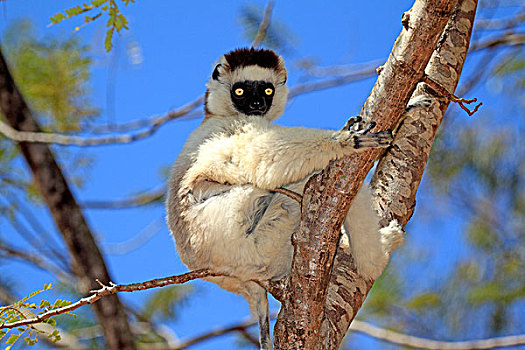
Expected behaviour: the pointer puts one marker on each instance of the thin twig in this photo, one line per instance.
(367, 68)
(294, 195)
(460, 101)
(263, 27)
(137, 241)
(62, 139)
(429, 344)
(338, 80)
(150, 121)
(507, 39)
(143, 198)
(240, 327)
(36, 260)
(113, 289)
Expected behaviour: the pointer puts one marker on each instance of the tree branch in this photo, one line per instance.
(500, 23)
(430, 344)
(154, 123)
(36, 260)
(143, 198)
(137, 241)
(327, 196)
(506, 39)
(265, 23)
(112, 288)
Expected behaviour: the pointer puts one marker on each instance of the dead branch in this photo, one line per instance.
(263, 27)
(451, 97)
(113, 289)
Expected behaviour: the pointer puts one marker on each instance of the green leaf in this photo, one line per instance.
(57, 18)
(51, 321)
(75, 10)
(425, 301)
(30, 341)
(43, 304)
(107, 41)
(12, 339)
(97, 3)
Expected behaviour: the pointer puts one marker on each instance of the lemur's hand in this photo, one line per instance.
(359, 136)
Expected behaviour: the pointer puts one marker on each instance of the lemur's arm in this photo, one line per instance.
(275, 156)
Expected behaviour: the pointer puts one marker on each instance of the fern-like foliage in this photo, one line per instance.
(24, 309)
(94, 10)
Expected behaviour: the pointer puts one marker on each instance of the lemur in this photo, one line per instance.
(222, 208)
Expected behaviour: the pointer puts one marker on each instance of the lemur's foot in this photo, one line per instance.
(392, 236)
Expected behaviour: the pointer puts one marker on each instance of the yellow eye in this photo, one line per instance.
(268, 91)
(239, 92)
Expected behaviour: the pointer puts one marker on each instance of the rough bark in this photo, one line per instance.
(328, 195)
(399, 172)
(88, 262)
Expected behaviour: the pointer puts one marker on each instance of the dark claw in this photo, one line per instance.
(352, 121)
(356, 142)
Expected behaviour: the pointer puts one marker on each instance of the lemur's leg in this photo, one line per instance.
(370, 245)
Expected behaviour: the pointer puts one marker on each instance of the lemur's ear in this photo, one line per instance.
(215, 74)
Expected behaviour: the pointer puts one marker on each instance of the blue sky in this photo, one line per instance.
(178, 43)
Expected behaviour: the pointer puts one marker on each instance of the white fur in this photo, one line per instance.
(227, 165)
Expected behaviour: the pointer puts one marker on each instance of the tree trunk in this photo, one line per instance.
(399, 172)
(317, 308)
(88, 262)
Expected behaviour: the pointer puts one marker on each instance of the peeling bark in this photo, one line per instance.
(328, 195)
(399, 172)
(88, 262)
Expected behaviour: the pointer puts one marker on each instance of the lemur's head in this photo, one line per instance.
(247, 82)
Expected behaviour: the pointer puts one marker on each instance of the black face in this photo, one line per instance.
(252, 97)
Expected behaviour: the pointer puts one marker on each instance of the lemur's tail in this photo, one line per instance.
(258, 300)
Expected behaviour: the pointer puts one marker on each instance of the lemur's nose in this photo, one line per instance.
(257, 104)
